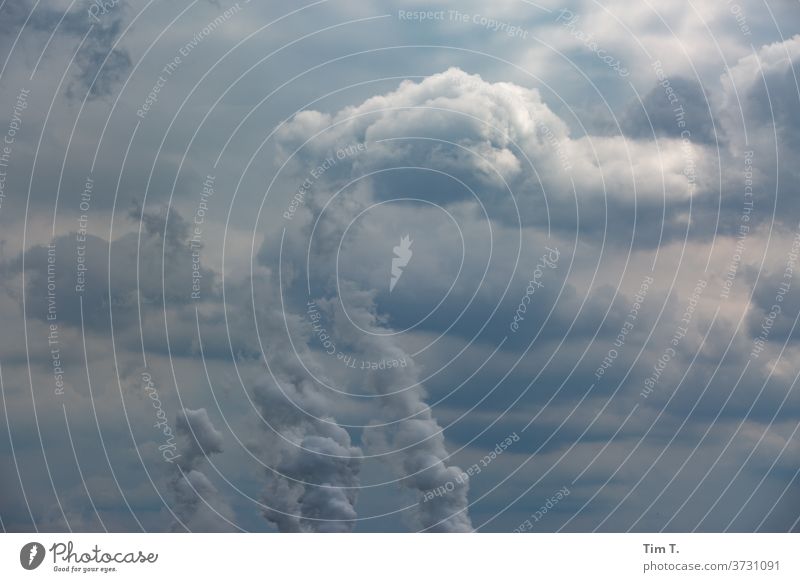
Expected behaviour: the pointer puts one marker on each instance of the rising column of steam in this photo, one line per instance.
(198, 504)
(412, 441)
(312, 472)
(414, 446)
(311, 465)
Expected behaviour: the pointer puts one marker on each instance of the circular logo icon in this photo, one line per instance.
(31, 555)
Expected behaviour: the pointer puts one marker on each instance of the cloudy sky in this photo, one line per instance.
(399, 266)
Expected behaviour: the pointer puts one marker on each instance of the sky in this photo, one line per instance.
(396, 266)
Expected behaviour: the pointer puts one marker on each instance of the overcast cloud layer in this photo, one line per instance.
(399, 266)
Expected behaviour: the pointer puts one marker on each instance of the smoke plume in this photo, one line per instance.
(198, 504)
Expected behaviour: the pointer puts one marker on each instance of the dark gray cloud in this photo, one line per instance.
(100, 64)
(668, 115)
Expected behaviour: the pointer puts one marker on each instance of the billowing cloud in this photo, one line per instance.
(198, 504)
(342, 306)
